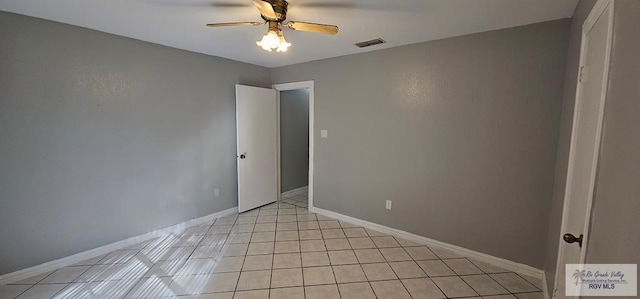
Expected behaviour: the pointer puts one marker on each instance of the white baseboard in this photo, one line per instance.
(297, 190)
(500, 262)
(82, 256)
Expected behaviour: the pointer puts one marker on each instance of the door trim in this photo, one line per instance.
(293, 86)
(598, 10)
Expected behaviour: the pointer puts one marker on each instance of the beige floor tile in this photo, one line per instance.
(453, 286)
(407, 269)
(369, 256)
(266, 219)
(253, 294)
(356, 232)
(287, 260)
(287, 247)
(234, 250)
(287, 218)
(322, 292)
(202, 252)
(260, 248)
(349, 273)
(484, 285)
(385, 242)
(359, 290)
(204, 283)
(435, 268)
(311, 259)
(286, 278)
(237, 238)
(395, 254)
(307, 217)
(265, 227)
(42, 291)
(420, 253)
(514, 283)
(342, 257)
(488, 268)
(333, 233)
(287, 293)
(534, 295)
(361, 243)
(318, 275)
(306, 225)
(228, 264)
(337, 244)
(422, 288)
(407, 243)
(374, 233)
(152, 287)
(257, 262)
(313, 234)
(312, 245)
(287, 226)
(263, 237)
(325, 224)
(254, 280)
(378, 271)
(287, 236)
(65, 275)
(224, 295)
(392, 289)
(462, 266)
(444, 253)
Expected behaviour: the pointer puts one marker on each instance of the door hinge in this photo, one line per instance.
(581, 74)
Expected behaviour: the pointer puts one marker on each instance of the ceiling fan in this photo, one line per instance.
(274, 13)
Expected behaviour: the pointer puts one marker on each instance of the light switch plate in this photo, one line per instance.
(324, 133)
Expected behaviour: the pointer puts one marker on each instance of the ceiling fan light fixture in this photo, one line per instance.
(269, 41)
(284, 45)
(274, 39)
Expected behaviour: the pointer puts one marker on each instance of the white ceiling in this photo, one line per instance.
(181, 23)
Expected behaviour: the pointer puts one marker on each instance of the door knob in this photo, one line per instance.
(242, 156)
(569, 238)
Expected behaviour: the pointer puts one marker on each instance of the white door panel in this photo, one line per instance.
(256, 128)
(585, 139)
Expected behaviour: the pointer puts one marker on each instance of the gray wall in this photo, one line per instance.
(105, 137)
(294, 139)
(566, 123)
(460, 133)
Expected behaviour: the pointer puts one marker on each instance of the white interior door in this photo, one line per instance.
(256, 127)
(585, 139)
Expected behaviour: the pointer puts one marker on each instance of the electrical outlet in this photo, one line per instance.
(216, 192)
(324, 133)
(388, 206)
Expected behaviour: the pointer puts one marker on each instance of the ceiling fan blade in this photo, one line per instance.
(266, 9)
(200, 4)
(236, 24)
(313, 27)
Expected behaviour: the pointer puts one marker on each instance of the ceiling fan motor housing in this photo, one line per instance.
(280, 8)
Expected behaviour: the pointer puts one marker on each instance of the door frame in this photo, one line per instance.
(295, 86)
(601, 7)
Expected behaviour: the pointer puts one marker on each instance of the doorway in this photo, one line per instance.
(295, 143)
(586, 136)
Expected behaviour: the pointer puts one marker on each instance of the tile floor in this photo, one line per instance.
(278, 251)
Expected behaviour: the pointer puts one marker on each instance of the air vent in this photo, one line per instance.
(370, 43)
